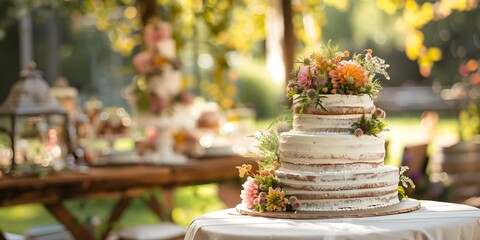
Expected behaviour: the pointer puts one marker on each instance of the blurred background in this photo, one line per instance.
(239, 53)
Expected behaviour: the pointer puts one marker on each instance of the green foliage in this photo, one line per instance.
(267, 148)
(285, 117)
(404, 182)
(255, 89)
(469, 120)
(372, 126)
(302, 101)
(261, 207)
(329, 50)
(266, 182)
(268, 141)
(401, 193)
(222, 27)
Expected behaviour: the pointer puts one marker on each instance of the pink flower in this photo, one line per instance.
(186, 98)
(143, 62)
(294, 202)
(249, 192)
(358, 132)
(262, 198)
(475, 78)
(291, 85)
(158, 104)
(305, 78)
(379, 113)
(463, 70)
(155, 32)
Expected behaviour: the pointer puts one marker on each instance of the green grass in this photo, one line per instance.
(196, 200)
(408, 131)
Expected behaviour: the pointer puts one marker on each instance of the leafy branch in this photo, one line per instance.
(404, 181)
(268, 144)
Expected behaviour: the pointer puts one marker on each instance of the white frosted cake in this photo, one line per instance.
(328, 168)
(332, 156)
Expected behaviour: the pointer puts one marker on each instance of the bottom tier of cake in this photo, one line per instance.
(341, 191)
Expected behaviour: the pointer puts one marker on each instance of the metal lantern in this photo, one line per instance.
(30, 98)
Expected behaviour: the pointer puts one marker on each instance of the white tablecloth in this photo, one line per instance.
(434, 220)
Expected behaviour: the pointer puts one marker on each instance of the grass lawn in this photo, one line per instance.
(195, 200)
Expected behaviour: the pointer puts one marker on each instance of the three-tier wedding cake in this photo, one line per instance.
(332, 156)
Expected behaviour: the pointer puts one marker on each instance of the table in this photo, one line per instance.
(434, 220)
(124, 182)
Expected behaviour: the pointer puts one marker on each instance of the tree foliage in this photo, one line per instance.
(217, 28)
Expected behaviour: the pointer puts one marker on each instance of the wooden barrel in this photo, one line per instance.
(462, 164)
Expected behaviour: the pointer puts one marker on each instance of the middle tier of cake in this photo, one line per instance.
(317, 152)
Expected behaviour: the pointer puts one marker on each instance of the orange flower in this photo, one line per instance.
(349, 72)
(323, 64)
(244, 169)
(160, 60)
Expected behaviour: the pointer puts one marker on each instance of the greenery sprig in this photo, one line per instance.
(405, 181)
(370, 126)
(267, 146)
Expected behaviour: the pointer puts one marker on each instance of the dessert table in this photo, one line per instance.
(434, 220)
(123, 182)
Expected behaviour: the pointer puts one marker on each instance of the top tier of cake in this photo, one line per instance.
(338, 114)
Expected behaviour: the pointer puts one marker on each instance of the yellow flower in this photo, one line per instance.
(276, 201)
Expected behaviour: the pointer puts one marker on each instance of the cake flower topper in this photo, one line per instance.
(329, 71)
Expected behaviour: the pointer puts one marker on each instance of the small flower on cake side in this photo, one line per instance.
(276, 200)
(370, 126)
(262, 191)
(249, 192)
(330, 71)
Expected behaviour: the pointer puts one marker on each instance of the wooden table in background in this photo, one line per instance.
(120, 181)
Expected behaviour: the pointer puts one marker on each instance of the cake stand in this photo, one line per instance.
(404, 206)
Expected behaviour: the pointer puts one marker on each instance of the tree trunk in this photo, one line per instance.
(147, 9)
(288, 38)
(26, 40)
(52, 59)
